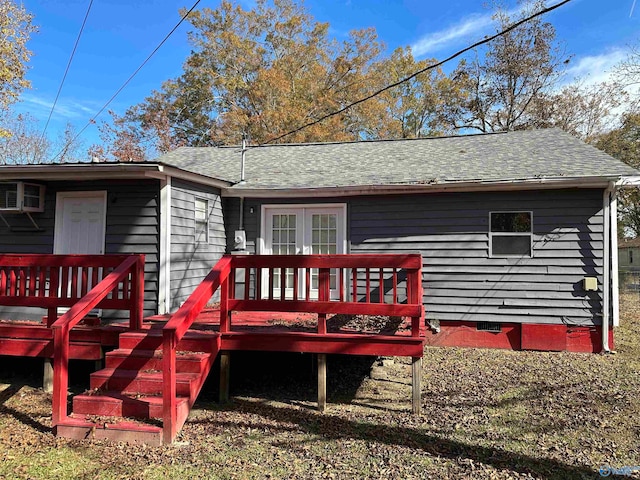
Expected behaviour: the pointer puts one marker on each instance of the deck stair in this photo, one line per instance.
(125, 401)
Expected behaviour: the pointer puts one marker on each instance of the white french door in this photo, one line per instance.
(302, 230)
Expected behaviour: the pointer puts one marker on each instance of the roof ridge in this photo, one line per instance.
(374, 140)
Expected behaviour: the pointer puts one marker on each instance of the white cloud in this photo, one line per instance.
(65, 109)
(452, 35)
(472, 27)
(595, 68)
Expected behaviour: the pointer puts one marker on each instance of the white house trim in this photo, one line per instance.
(164, 265)
(615, 299)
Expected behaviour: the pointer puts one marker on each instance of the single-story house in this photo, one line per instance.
(629, 254)
(517, 230)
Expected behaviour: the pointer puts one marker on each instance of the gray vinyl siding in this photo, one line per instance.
(461, 281)
(193, 258)
(132, 227)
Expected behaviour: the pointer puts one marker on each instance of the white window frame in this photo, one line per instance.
(511, 234)
(303, 234)
(197, 222)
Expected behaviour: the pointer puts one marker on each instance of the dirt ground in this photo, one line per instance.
(486, 414)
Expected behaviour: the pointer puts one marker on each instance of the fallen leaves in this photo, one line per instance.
(487, 414)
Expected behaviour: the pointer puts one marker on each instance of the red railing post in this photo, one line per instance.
(60, 373)
(225, 318)
(136, 312)
(414, 289)
(169, 400)
(323, 296)
(423, 327)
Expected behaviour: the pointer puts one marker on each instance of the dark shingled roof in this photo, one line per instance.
(633, 243)
(498, 157)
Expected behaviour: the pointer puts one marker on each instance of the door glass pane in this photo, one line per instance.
(323, 241)
(283, 236)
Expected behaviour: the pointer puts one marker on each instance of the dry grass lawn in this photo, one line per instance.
(487, 414)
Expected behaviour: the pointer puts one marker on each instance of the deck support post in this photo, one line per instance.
(225, 371)
(322, 381)
(416, 385)
(47, 377)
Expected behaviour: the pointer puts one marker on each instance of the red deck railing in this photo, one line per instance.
(81, 282)
(52, 281)
(173, 332)
(122, 288)
(384, 284)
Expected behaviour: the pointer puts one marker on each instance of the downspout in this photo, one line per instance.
(615, 293)
(242, 163)
(239, 237)
(606, 287)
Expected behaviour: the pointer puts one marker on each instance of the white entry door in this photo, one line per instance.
(80, 222)
(296, 230)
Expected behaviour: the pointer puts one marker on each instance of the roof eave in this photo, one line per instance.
(391, 189)
(89, 171)
(104, 171)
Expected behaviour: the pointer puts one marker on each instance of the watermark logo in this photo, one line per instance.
(627, 471)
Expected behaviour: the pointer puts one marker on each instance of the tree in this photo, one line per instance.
(514, 70)
(15, 30)
(419, 107)
(24, 144)
(623, 143)
(121, 141)
(585, 111)
(627, 74)
(263, 72)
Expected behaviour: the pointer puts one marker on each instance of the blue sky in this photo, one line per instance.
(120, 34)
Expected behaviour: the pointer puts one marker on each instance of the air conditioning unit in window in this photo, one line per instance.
(21, 197)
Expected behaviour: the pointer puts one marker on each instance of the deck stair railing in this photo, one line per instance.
(81, 282)
(383, 284)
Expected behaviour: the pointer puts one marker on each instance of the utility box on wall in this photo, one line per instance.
(590, 284)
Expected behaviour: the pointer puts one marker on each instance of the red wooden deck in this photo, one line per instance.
(363, 305)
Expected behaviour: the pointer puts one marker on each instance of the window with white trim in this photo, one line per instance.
(303, 229)
(201, 216)
(510, 234)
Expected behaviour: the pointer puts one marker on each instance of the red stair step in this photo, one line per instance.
(152, 359)
(134, 381)
(152, 340)
(115, 404)
(125, 431)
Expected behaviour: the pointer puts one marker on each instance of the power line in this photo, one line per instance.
(413, 75)
(64, 77)
(92, 120)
